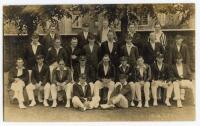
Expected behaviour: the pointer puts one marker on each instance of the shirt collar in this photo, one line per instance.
(127, 65)
(81, 84)
(58, 68)
(143, 66)
(18, 68)
(38, 43)
(129, 45)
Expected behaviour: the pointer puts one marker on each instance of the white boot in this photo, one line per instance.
(179, 104)
(155, 103)
(33, 103)
(167, 102)
(54, 104)
(132, 103)
(139, 104)
(22, 106)
(67, 104)
(146, 104)
(45, 103)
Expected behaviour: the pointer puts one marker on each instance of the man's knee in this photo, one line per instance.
(75, 99)
(47, 86)
(147, 85)
(53, 87)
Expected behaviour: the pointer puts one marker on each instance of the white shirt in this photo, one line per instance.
(128, 47)
(141, 71)
(110, 46)
(52, 35)
(180, 69)
(85, 34)
(19, 72)
(39, 67)
(91, 47)
(82, 68)
(158, 36)
(159, 66)
(104, 35)
(178, 47)
(57, 50)
(34, 47)
(153, 45)
(105, 68)
(83, 87)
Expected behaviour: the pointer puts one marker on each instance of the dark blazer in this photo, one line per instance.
(82, 40)
(110, 74)
(52, 56)
(186, 73)
(48, 42)
(120, 70)
(114, 55)
(149, 54)
(134, 54)
(78, 91)
(183, 51)
(146, 74)
(42, 76)
(30, 57)
(163, 74)
(124, 90)
(77, 52)
(93, 57)
(13, 74)
(89, 72)
(66, 77)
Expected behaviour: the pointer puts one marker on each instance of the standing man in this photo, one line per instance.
(32, 50)
(102, 35)
(39, 81)
(73, 52)
(92, 51)
(83, 35)
(179, 48)
(18, 78)
(182, 79)
(142, 79)
(61, 81)
(49, 39)
(150, 49)
(130, 51)
(106, 77)
(112, 48)
(161, 78)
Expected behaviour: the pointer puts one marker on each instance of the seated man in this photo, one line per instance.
(121, 96)
(161, 78)
(106, 76)
(181, 79)
(142, 78)
(61, 81)
(18, 78)
(40, 81)
(81, 94)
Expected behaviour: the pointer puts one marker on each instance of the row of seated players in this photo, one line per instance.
(85, 94)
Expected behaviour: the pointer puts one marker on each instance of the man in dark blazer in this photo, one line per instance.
(137, 40)
(32, 50)
(83, 35)
(122, 95)
(112, 48)
(182, 78)
(82, 94)
(18, 79)
(48, 40)
(54, 54)
(179, 48)
(130, 51)
(105, 78)
(92, 51)
(39, 81)
(142, 75)
(150, 49)
(61, 81)
(161, 78)
(73, 52)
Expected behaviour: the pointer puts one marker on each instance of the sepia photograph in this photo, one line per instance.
(99, 62)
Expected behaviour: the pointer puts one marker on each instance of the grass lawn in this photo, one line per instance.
(42, 114)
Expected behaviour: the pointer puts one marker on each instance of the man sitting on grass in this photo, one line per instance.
(121, 96)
